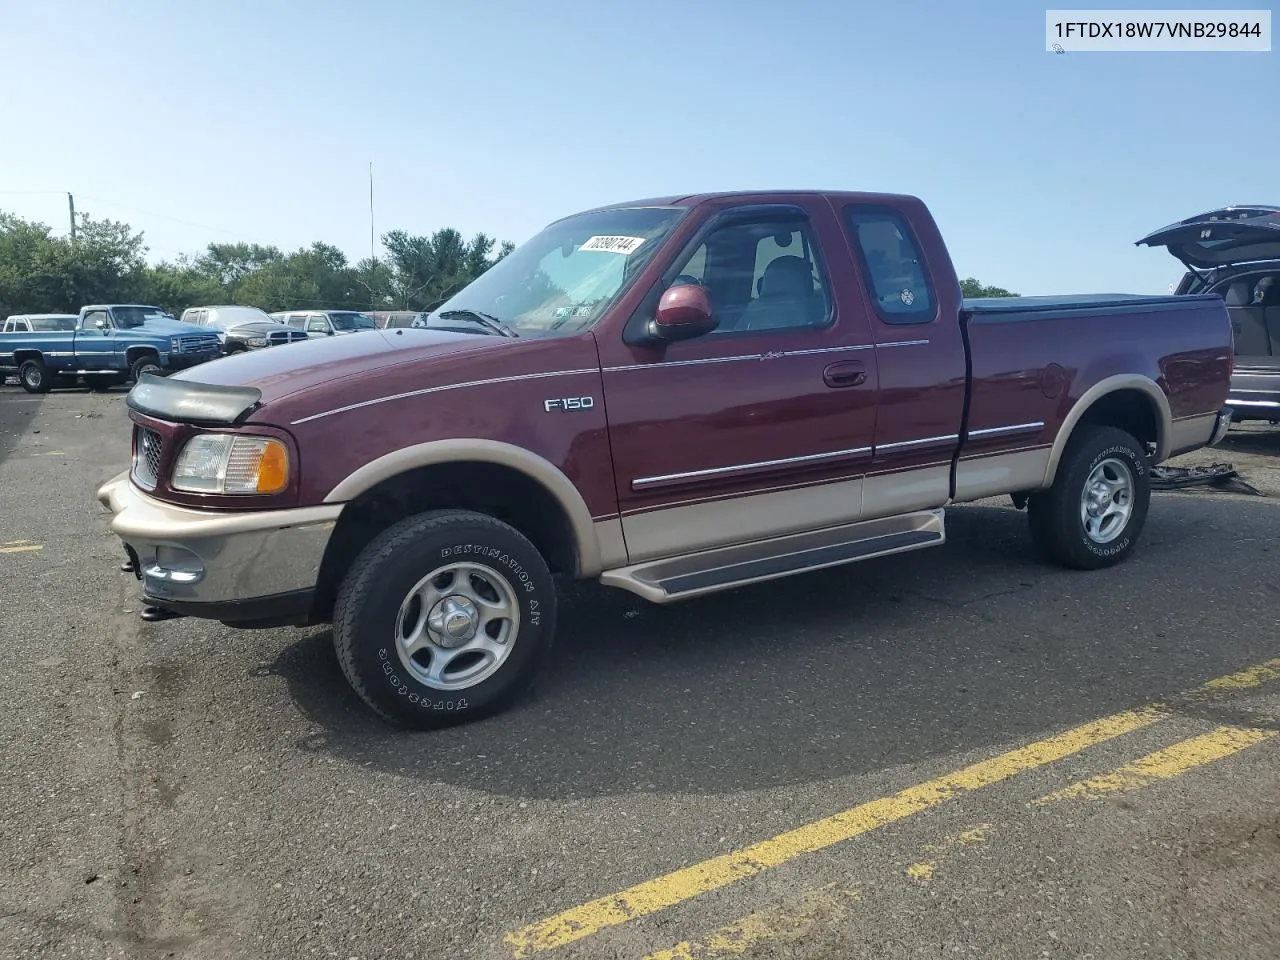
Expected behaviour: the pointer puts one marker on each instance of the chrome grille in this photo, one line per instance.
(149, 446)
(198, 343)
(278, 337)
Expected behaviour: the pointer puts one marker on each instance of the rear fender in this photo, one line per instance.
(1124, 381)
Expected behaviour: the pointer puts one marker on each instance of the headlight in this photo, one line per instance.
(226, 463)
(257, 341)
(175, 345)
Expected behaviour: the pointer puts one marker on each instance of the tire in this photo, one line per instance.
(35, 376)
(147, 363)
(1058, 515)
(376, 608)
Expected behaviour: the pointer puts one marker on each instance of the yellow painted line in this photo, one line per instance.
(923, 871)
(1164, 764)
(1253, 677)
(30, 549)
(824, 905)
(686, 883)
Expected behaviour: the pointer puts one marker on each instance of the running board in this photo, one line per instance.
(677, 578)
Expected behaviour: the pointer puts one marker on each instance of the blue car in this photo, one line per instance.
(108, 344)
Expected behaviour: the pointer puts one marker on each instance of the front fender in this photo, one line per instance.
(537, 468)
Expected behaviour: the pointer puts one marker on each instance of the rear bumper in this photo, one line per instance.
(1255, 394)
(256, 567)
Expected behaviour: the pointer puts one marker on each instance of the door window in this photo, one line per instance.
(761, 275)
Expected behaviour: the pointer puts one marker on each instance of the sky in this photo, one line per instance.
(258, 120)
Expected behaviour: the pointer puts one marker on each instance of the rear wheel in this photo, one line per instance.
(34, 376)
(1092, 515)
(443, 618)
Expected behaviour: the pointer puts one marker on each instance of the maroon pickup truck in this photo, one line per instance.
(671, 396)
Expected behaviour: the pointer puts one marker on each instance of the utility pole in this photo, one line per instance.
(373, 255)
(71, 205)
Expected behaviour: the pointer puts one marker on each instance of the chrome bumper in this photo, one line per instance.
(1225, 416)
(219, 565)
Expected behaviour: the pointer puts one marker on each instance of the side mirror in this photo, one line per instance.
(100, 324)
(684, 311)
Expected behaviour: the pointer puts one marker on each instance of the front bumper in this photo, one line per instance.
(1255, 394)
(256, 567)
(184, 361)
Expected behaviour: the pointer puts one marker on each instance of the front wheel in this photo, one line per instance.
(1091, 517)
(445, 617)
(144, 364)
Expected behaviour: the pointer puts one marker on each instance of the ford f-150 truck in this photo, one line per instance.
(673, 397)
(109, 344)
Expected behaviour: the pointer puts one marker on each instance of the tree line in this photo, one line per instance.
(106, 263)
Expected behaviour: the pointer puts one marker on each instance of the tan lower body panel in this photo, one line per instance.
(890, 494)
(715, 523)
(999, 473)
(1191, 433)
(708, 571)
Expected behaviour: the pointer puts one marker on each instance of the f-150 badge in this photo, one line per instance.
(569, 403)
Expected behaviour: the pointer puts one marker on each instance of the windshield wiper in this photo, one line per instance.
(484, 319)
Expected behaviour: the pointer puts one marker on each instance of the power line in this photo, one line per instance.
(161, 216)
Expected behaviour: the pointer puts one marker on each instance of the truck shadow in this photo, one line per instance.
(18, 411)
(1252, 438)
(973, 645)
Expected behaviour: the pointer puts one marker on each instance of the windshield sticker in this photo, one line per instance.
(622, 245)
(906, 296)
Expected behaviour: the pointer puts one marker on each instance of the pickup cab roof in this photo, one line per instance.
(1243, 233)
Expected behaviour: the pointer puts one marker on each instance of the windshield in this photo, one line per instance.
(564, 278)
(53, 323)
(352, 321)
(130, 317)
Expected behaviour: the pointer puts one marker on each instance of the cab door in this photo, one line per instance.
(764, 426)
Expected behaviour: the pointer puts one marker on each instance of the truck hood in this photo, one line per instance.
(249, 327)
(311, 363)
(166, 328)
(1223, 237)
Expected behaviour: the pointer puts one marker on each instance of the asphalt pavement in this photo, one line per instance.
(958, 752)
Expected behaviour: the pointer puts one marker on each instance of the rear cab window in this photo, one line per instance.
(889, 256)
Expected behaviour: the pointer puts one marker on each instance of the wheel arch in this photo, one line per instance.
(1129, 401)
(135, 353)
(22, 356)
(540, 501)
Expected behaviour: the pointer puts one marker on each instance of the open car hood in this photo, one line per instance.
(1223, 237)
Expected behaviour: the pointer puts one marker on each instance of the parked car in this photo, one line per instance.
(326, 323)
(242, 328)
(108, 344)
(1235, 252)
(395, 319)
(672, 397)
